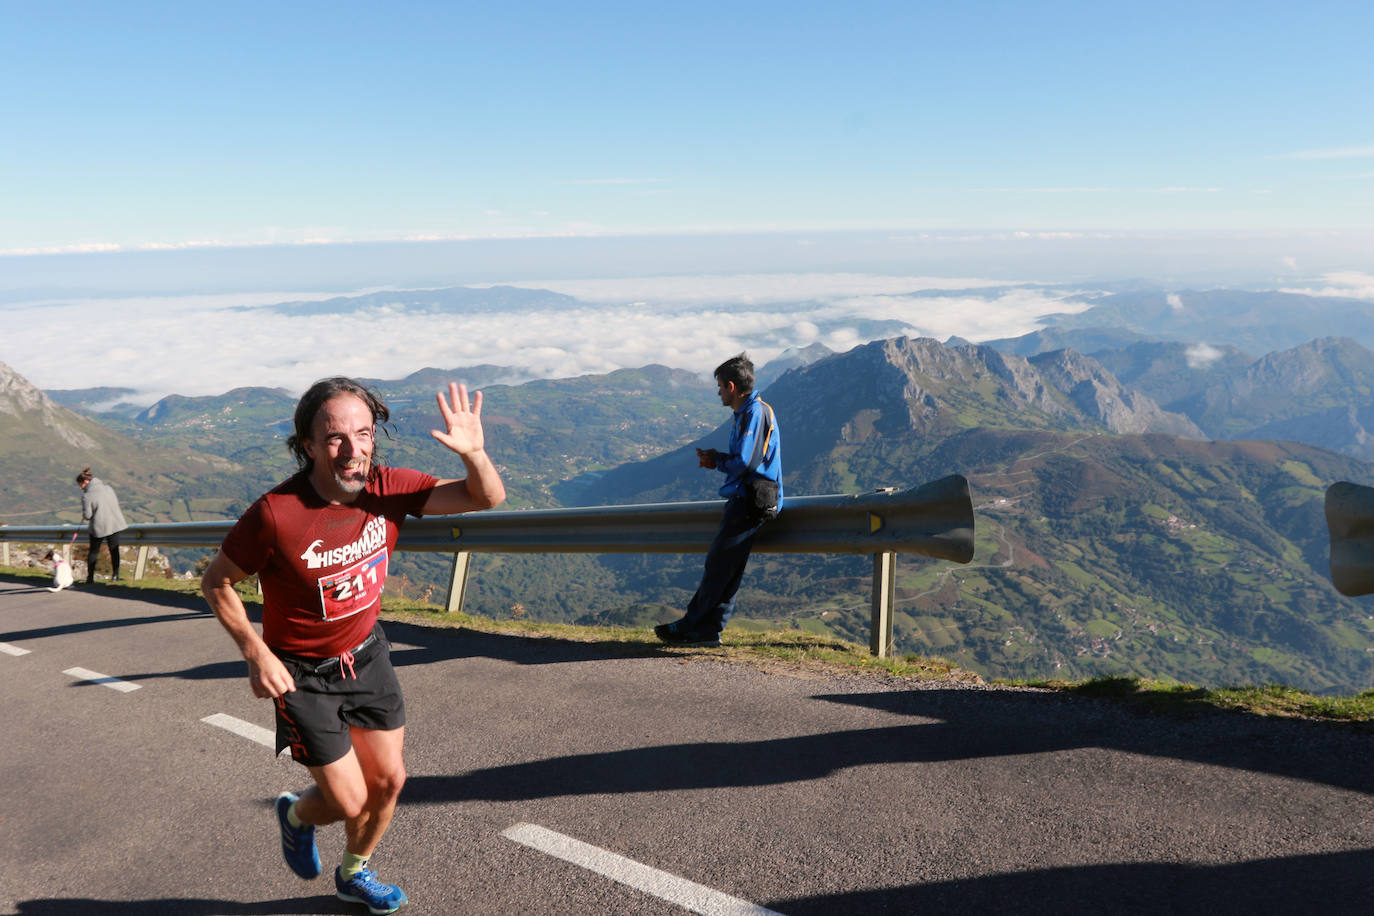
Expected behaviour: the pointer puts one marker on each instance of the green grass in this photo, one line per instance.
(1273, 700)
(800, 650)
(1303, 473)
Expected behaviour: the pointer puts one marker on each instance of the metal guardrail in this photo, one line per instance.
(1350, 523)
(934, 520)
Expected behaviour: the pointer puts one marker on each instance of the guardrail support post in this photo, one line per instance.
(458, 582)
(5, 549)
(884, 593)
(142, 565)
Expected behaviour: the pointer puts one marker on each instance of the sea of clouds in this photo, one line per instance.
(209, 344)
(202, 345)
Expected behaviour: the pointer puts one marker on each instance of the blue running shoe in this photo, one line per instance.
(364, 888)
(297, 844)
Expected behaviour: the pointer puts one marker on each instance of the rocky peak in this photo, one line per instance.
(18, 395)
(903, 385)
(22, 400)
(1100, 396)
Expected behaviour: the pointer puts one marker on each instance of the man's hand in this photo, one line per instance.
(706, 457)
(268, 677)
(462, 424)
(482, 488)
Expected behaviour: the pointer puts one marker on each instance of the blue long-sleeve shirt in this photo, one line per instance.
(755, 446)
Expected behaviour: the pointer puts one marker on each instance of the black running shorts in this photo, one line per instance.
(314, 720)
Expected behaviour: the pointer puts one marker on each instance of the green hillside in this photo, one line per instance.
(1145, 555)
(1098, 553)
(43, 446)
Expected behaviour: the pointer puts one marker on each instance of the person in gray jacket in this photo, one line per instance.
(100, 506)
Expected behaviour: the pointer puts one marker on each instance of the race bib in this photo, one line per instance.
(354, 589)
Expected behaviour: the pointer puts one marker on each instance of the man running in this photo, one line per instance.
(320, 543)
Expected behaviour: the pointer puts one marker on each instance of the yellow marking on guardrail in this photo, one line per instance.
(875, 523)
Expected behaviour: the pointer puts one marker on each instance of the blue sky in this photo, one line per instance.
(141, 126)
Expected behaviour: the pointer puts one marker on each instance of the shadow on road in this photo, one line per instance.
(1337, 883)
(971, 723)
(30, 590)
(109, 589)
(1329, 884)
(441, 644)
(956, 725)
(91, 626)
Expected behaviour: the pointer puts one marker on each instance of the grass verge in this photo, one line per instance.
(800, 652)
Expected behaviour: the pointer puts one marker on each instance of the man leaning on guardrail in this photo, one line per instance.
(320, 544)
(753, 494)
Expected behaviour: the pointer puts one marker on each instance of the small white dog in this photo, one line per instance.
(61, 573)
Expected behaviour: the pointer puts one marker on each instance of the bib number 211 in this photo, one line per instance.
(353, 589)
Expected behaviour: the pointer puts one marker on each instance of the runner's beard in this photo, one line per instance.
(352, 479)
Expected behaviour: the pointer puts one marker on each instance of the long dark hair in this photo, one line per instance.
(310, 403)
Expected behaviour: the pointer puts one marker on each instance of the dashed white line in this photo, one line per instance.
(104, 680)
(243, 729)
(12, 650)
(693, 897)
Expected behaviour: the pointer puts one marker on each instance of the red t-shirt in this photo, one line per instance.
(323, 566)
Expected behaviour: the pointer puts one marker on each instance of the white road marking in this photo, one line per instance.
(12, 650)
(243, 729)
(104, 680)
(693, 897)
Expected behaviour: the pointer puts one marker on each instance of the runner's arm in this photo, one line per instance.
(267, 676)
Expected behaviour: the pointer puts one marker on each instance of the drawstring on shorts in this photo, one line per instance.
(342, 663)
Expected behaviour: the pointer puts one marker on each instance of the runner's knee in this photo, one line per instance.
(387, 784)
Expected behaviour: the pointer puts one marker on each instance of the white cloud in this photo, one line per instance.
(89, 248)
(198, 345)
(1201, 355)
(1174, 301)
(1351, 284)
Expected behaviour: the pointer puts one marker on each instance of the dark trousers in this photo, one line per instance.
(714, 602)
(112, 540)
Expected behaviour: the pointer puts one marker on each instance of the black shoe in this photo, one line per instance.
(674, 636)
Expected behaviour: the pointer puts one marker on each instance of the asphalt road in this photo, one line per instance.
(551, 778)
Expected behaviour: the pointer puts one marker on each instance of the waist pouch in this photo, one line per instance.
(761, 498)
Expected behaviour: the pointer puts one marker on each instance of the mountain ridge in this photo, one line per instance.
(1098, 552)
